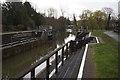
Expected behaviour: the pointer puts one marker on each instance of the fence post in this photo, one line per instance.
(33, 74)
(56, 61)
(47, 69)
(62, 56)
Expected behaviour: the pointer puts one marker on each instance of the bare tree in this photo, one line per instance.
(63, 11)
(52, 12)
(109, 11)
(75, 21)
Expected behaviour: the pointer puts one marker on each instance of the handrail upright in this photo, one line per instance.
(56, 62)
(33, 74)
(47, 69)
(62, 55)
(46, 58)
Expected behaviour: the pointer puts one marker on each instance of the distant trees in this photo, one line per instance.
(62, 23)
(18, 16)
(85, 17)
(59, 23)
(52, 12)
(100, 18)
(94, 20)
(17, 13)
(13, 13)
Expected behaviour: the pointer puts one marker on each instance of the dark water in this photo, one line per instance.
(15, 64)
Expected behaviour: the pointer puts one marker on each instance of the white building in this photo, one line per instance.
(119, 9)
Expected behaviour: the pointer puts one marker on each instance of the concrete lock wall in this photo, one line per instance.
(13, 50)
(17, 48)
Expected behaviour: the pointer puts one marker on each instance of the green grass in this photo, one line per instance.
(106, 56)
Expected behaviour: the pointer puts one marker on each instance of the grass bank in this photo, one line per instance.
(106, 56)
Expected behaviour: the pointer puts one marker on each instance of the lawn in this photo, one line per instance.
(106, 56)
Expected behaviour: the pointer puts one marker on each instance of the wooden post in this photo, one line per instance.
(56, 61)
(72, 46)
(33, 74)
(62, 56)
(47, 69)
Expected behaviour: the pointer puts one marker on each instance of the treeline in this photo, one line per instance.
(17, 16)
(96, 20)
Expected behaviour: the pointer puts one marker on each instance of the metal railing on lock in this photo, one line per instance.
(31, 69)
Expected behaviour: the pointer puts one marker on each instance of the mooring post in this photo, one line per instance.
(72, 46)
(47, 69)
(33, 74)
(62, 56)
(56, 61)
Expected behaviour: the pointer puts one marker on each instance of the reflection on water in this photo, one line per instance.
(70, 37)
(68, 30)
(20, 62)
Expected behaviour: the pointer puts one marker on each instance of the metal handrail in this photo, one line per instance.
(32, 68)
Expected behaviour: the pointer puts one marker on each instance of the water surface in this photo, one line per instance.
(15, 64)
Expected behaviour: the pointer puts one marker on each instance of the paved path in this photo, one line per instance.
(113, 35)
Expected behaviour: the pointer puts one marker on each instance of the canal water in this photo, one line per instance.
(15, 64)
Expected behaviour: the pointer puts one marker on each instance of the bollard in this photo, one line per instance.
(72, 46)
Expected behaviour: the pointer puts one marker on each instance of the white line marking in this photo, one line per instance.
(82, 63)
(89, 34)
(54, 70)
(52, 73)
(40, 68)
(97, 40)
(80, 74)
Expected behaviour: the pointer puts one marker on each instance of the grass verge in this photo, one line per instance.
(106, 56)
